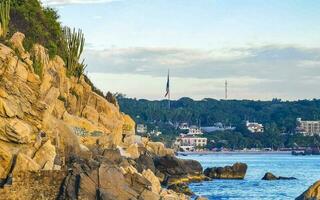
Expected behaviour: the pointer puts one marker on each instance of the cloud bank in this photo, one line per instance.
(286, 72)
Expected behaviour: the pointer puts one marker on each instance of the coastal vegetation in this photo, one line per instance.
(278, 117)
(4, 17)
(75, 44)
(40, 25)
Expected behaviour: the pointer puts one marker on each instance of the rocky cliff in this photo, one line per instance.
(312, 193)
(56, 124)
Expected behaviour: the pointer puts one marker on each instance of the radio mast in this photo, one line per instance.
(226, 90)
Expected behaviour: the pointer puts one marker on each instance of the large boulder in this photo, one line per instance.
(159, 149)
(312, 193)
(236, 171)
(145, 162)
(177, 170)
(113, 155)
(25, 163)
(172, 195)
(6, 161)
(45, 156)
(181, 188)
(18, 131)
(132, 151)
(99, 179)
(149, 175)
(16, 42)
(270, 177)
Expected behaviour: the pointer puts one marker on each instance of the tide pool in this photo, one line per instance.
(305, 168)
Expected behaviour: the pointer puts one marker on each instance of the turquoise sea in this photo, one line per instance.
(305, 168)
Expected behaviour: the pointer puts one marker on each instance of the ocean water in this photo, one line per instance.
(305, 168)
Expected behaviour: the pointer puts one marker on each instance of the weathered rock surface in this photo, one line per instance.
(181, 188)
(172, 195)
(145, 162)
(201, 198)
(270, 177)
(100, 178)
(52, 125)
(236, 171)
(312, 193)
(66, 109)
(149, 175)
(177, 170)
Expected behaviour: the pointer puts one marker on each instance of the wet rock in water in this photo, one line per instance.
(181, 188)
(312, 193)
(270, 177)
(201, 198)
(177, 170)
(236, 171)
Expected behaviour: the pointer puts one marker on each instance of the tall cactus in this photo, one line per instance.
(75, 43)
(4, 17)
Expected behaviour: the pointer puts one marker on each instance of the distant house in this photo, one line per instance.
(156, 133)
(308, 128)
(217, 127)
(194, 130)
(193, 141)
(184, 126)
(189, 143)
(254, 127)
(142, 129)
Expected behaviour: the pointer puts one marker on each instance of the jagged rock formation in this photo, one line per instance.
(174, 171)
(181, 188)
(270, 177)
(53, 123)
(312, 193)
(236, 171)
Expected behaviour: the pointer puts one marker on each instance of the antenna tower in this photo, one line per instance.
(226, 90)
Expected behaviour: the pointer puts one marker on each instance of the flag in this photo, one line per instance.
(168, 86)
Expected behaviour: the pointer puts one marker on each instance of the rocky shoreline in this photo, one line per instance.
(61, 140)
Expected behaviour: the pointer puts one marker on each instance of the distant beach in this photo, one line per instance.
(231, 152)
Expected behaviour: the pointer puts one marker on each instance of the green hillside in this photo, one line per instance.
(278, 117)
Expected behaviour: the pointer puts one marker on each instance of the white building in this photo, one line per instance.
(155, 132)
(142, 129)
(217, 127)
(254, 127)
(184, 126)
(193, 141)
(308, 128)
(194, 130)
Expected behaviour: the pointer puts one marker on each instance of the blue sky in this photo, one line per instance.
(265, 49)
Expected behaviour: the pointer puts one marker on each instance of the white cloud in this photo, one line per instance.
(253, 73)
(146, 86)
(65, 2)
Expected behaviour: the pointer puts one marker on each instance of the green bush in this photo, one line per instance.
(39, 24)
(111, 98)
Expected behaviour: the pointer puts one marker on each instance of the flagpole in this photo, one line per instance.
(168, 92)
(169, 89)
(169, 100)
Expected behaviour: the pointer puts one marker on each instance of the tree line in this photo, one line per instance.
(278, 117)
